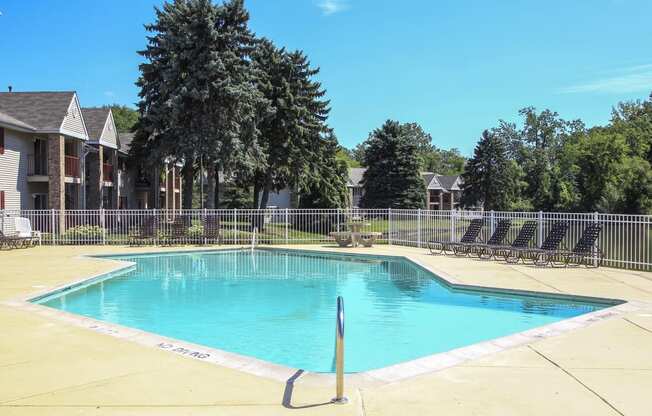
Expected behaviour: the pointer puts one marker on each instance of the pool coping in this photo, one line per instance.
(385, 375)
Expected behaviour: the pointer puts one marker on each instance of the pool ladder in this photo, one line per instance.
(339, 354)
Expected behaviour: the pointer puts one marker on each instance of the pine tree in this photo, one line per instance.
(392, 178)
(328, 186)
(294, 134)
(197, 95)
(489, 177)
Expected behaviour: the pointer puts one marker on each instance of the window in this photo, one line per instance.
(2, 141)
(2, 199)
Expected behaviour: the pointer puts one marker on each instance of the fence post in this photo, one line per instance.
(205, 221)
(52, 228)
(159, 223)
(492, 219)
(594, 251)
(103, 225)
(452, 226)
(540, 232)
(389, 227)
(419, 228)
(287, 225)
(235, 225)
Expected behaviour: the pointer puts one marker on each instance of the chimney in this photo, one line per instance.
(10, 88)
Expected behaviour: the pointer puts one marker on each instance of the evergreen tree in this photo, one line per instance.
(392, 178)
(489, 176)
(294, 135)
(328, 187)
(197, 99)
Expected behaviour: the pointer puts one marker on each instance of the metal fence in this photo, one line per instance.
(626, 240)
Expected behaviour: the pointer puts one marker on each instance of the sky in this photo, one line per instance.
(456, 67)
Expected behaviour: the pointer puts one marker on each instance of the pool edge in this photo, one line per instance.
(386, 375)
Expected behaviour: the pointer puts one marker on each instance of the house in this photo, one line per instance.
(101, 159)
(54, 154)
(42, 137)
(443, 192)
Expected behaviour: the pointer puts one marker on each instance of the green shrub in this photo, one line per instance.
(84, 233)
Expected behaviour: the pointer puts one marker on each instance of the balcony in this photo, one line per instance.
(107, 172)
(71, 166)
(37, 166)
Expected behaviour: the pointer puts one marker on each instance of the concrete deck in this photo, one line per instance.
(49, 366)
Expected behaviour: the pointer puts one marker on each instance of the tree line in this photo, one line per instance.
(228, 104)
(550, 164)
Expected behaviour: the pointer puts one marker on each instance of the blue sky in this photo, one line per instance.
(454, 66)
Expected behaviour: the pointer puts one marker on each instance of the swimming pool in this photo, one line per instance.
(279, 306)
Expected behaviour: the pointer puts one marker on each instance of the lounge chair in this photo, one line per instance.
(146, 232)
(212, 232)
(522, 241)
(24, 230)
(343, 238)
(585, 252)
(497, 238)
(12, 240)
(546, 253)
(470, 236)
(178, 232)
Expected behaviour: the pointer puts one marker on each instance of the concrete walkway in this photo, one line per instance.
(50, 367)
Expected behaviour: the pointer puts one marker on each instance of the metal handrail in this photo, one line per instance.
(339, 353)
(253, 238)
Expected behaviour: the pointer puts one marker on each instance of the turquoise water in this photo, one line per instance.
(279, 306)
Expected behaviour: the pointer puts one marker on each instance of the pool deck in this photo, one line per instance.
(50, 366)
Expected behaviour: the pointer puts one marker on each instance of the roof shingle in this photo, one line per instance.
(95, 119)
(41, 110)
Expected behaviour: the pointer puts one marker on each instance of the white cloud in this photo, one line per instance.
(109, 94)
(330, 7)
(625, 80)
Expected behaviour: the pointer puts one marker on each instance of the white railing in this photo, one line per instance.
(626, 240)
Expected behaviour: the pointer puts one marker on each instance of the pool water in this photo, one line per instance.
(280, 306)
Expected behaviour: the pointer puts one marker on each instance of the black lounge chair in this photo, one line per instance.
(485, 250)
(13, 241)
(146, 232)
(522, 241)
(178, 232)
(545, 254)
(585, 252)
(470, 236)
(212, 232)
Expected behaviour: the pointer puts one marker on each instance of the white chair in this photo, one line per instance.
(24, 230)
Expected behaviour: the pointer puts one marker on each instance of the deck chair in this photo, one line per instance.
(146, 232)
(545, 254)
(24, 230)
(585, 252)
(522, 241)
(484, 250)
(470, 236)
(178, 232)
(11, 241)
(212, 232)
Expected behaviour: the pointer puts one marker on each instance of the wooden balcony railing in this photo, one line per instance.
(37, 166)
(107, 172)
(72, 166)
